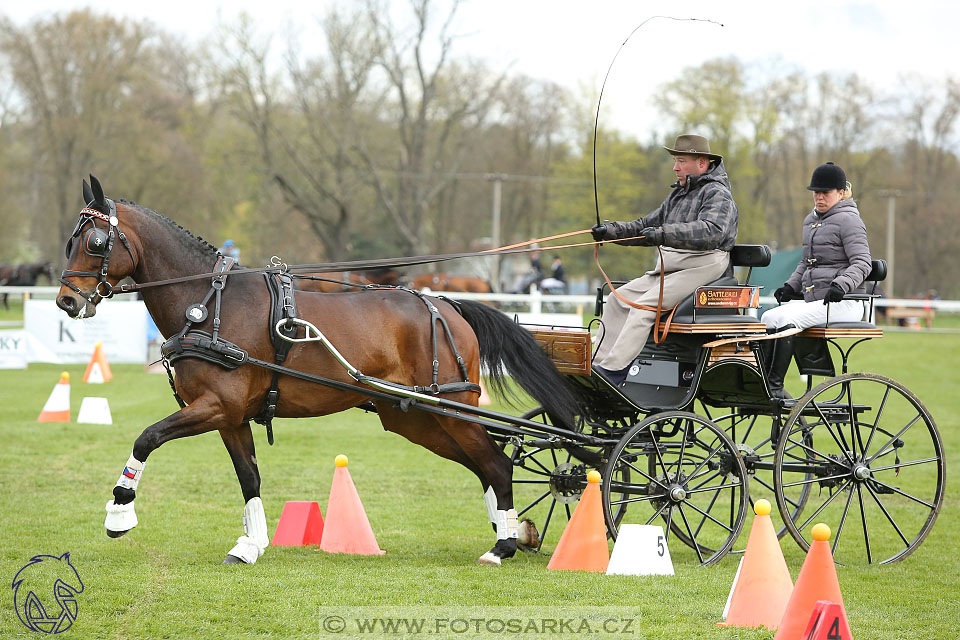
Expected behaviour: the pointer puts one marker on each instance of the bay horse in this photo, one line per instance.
(449, 282)
(24, 275)
(385, 333)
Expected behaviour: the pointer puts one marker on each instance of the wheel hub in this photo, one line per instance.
(567, 482)
(677, 493)
(861, 472)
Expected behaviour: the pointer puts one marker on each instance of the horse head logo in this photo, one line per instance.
(46, 580)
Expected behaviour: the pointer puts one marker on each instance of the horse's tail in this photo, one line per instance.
(505, 346)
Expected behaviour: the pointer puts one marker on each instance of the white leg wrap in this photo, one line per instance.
(506, 524)
(120, 517)
(132, 471)
(251, 546)
(490, 499)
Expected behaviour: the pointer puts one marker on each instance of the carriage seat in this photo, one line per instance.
(878, 273)
(689, 318)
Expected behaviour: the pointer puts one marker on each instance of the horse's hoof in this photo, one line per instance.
(233, 560)
(489, 559)
(528, 538)
(116, 534)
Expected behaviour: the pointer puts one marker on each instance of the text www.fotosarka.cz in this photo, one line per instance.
(398, 621)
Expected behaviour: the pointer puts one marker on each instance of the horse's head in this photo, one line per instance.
(93, 268)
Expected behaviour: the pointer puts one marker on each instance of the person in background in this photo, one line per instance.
(535, 275)
(230, 250)
(556, 283)
(695, 228)
(835, 261)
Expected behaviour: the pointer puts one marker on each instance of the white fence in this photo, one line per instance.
(539, 303)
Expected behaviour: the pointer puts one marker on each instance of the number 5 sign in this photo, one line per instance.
(641, 550)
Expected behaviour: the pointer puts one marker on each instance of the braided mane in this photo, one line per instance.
(195, 240)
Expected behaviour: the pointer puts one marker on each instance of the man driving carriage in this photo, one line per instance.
(695, 229)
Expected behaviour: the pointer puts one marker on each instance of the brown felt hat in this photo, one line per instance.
(692, 145)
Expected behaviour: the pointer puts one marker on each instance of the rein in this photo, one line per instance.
(277, 266)
(657, 339)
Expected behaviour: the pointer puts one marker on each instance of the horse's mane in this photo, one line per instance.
(196, 241)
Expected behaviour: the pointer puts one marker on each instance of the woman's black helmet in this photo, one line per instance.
(826, 177)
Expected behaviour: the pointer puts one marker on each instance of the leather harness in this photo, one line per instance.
(195, 343)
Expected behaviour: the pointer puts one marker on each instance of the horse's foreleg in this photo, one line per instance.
(205, 414)
(251, 545)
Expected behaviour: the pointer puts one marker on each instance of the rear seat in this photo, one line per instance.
(832, 330)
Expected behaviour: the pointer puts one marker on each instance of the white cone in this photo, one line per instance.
(640, 550)
(94, 411)
(96, 374)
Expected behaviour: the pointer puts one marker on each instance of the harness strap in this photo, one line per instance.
(282, 307)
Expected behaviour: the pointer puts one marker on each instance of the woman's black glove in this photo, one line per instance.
(785, 293)
(835, 294)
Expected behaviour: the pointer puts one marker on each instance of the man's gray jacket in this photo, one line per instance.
(700, 215)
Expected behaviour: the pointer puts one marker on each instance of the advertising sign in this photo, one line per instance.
(121, 327)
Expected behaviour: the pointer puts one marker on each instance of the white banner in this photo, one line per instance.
(17, 348)
(121, 326)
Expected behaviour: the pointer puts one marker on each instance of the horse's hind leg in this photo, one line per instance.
(251, 545)
(495, 470)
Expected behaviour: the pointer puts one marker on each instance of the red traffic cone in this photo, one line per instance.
(817, 581)
(57, 407)
(763, 586)
(347, 529)
(301, 523)
(98, 369)
(583, 544)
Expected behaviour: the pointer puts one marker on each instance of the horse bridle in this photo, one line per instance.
(97, 243)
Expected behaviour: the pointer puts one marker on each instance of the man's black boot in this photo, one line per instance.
(615, 378)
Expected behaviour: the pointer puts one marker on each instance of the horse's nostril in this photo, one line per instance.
(66, 303)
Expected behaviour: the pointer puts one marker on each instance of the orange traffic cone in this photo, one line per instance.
(301, 523)
(98, 369)
(583, 544)
(484, 396)
(817, 581)
(347, 529)
(828, 621)
(763, 586)
(57, 407)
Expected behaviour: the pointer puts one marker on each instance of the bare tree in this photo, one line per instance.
(439, 107)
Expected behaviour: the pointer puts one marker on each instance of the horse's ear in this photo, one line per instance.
(87, 194)
(97, 190)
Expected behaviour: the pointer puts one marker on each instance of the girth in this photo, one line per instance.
(283, 309)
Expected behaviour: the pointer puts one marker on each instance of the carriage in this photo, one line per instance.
(690, 440)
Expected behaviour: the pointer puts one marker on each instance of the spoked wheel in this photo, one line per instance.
(872, 454)
(548, 478)
(684, 470)
(753, 434)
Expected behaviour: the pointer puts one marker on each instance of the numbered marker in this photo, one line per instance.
(641, 550)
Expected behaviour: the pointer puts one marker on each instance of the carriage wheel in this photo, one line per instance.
(874, 459)
(754, 434)
(548, 480)
(684, 469)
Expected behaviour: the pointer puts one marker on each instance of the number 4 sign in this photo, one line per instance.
(827, 622)
(641, 550)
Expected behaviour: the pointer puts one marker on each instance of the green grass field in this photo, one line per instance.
(165, 578)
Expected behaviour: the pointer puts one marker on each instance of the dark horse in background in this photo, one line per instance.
(450, 282)
(383, 333)
(24, 274)
(339, 281)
